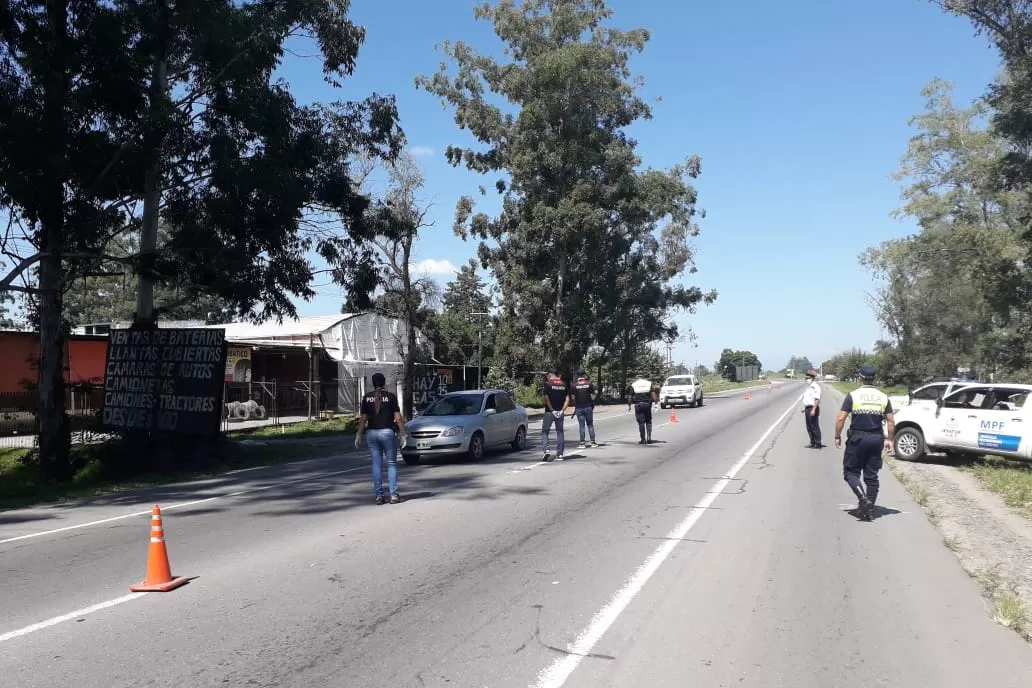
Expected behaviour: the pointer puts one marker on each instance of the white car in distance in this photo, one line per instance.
(680, 390)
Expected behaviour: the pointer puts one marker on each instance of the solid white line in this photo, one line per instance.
(181, 505)
(559, 671)
(68, 617)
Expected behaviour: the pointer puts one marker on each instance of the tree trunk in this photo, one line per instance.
(54, 439)
(410, 328)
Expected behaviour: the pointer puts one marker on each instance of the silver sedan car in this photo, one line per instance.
(466, 423)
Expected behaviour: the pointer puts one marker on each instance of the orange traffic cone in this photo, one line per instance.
(159, 574)
(673, 415)
(746, 395)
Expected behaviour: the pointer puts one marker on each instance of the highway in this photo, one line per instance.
(723, 555)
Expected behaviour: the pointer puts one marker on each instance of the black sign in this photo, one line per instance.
(165, 380)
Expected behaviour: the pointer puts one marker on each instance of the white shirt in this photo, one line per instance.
(812, 394)
(641, 386)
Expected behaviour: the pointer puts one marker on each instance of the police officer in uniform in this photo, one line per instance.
(557, 400)
(584, 408)
(381, 414)
(642, 397)
(812, 410)
(865, 441)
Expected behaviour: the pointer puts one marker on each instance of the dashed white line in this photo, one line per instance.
(78, 613)
(556, 674)
(180, 505)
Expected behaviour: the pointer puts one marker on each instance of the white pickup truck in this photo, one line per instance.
(973, 420)
(680, 389)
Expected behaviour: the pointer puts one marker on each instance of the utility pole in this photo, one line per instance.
(480, 351)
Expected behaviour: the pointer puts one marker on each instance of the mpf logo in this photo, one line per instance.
(992, 425)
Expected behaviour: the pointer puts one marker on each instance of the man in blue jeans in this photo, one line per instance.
(557, 400)
(381, 414)
(584, 408)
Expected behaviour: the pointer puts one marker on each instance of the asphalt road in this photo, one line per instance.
(721, 556)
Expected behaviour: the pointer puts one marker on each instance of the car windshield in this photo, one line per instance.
(674, 381)
(456, 405)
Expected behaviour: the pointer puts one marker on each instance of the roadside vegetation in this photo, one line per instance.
(891, 390)
(1011, 480)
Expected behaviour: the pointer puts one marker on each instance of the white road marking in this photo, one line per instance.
(556, 675)
(180, 505)
(78, 613)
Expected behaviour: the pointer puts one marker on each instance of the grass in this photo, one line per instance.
(952, 543)
(846, 387)
(1007, 607)
(718, 384)
(92, 477)
(1012, 481)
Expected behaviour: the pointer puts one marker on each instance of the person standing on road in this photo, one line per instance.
(584, 408)
(381, 414)
(557, 400)
(812, 410)
(642, 396)
(866, 440)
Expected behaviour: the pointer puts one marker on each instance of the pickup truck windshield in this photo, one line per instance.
(678, 381)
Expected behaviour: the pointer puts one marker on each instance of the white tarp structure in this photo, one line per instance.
(360, 343)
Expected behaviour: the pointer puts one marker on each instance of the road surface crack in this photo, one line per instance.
(741, 489)
(559, 650)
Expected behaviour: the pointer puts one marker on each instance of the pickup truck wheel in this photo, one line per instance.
(663, 406)
(909, 444)
(700, 401)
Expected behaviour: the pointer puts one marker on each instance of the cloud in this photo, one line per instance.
(421, 151)
(430, 266)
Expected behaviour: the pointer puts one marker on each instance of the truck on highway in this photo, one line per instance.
(976, 419)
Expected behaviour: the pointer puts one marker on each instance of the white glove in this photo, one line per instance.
(358, 441)
(557, 414)
(403, 442)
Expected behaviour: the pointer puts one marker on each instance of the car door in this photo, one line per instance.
(508, 419)
(956, 421)
(492, 421)
(1001, 422)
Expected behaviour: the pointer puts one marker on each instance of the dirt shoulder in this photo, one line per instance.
(992, 540)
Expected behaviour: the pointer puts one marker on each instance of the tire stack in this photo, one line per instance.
(237, 411)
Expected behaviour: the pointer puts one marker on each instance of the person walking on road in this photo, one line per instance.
(557, 400)
(381, 414)
(642, 396)
(866, 440)
(584, 408)
(812, 410)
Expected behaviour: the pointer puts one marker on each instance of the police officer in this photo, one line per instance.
(865, 441)
(584, 407)
(557, 400)
(812, 410)
(381, 414)
(642, 397)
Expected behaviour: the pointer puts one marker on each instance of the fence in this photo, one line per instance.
(83, 403)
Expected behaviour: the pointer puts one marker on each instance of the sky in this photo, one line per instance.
(799, 111)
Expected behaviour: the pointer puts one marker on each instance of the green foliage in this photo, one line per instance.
(531, 396)
(574, 198)
(941, 295)
(730, 358)
(459, 330)
(800, 364)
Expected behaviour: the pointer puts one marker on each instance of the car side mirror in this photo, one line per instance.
(490, 412)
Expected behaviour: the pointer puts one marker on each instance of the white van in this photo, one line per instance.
(976, 419)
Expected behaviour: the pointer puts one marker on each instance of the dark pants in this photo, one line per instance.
(813, 425)
(586, 416)
(643, 414)
(863, 457)
(546, 429)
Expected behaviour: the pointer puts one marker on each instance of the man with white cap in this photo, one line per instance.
(812, 410)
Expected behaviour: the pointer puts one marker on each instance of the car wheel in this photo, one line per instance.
(520, 441)
(909, 444)
(411, 459)
(700, 401)
(476, 447)
(663, 406)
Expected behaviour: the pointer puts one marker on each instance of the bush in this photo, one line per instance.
(530, 396)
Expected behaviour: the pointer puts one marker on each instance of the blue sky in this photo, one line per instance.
(799, 111)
